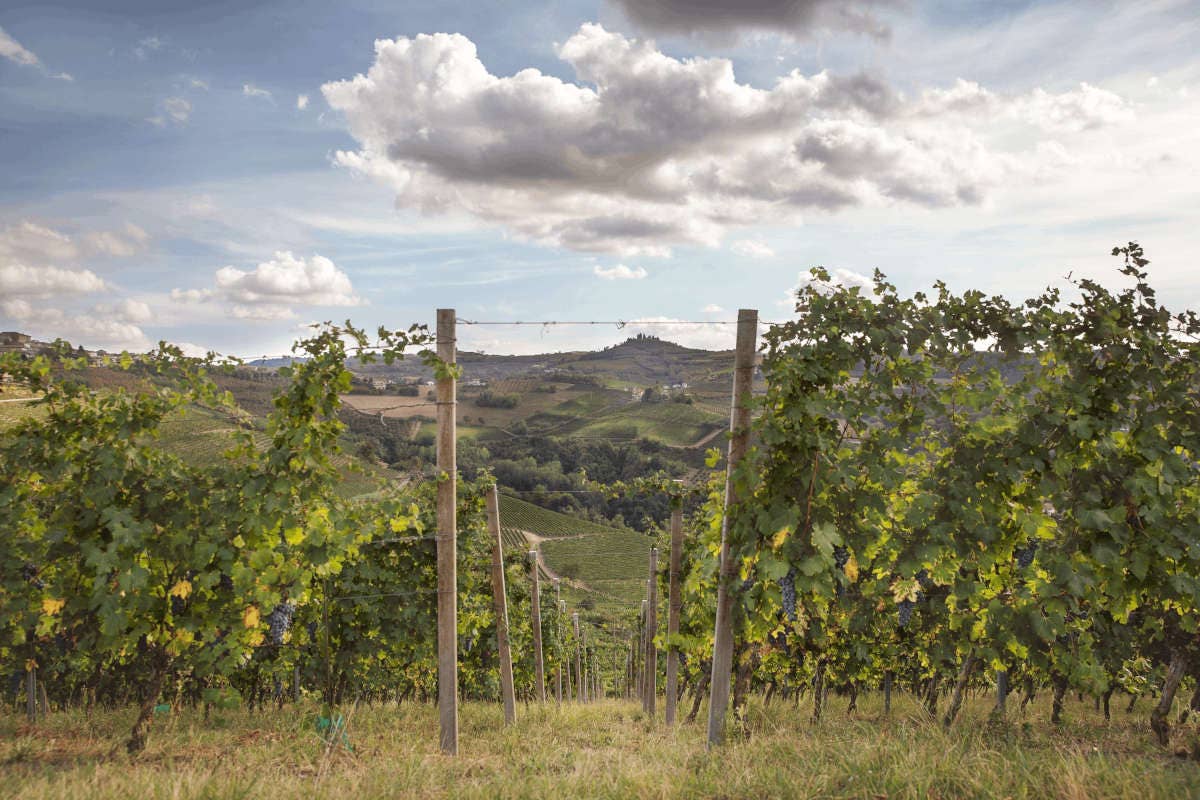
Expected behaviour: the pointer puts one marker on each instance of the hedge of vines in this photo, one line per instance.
(130, 574)
(951, 490)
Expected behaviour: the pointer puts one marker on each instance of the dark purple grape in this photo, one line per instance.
(30, 573)
(840, 556)
(787, 587)
(177, 605)
(279, 621)
(1025, 554)
(226, 583)
(906, 607)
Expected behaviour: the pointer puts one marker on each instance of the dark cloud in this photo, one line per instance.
(724, 18)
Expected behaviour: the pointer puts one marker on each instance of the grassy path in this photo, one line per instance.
(605, 750)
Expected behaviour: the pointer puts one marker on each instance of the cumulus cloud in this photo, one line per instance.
(720, 18)
(273, 287)
(20, 279)
(620, 273)
(644, 151)
(106, 327)
(32, 255)
(712, 308)
(301, 102)
(752, 249)
(837, 277)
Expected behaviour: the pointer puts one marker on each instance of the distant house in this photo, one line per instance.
(12, 341)
(379, 383)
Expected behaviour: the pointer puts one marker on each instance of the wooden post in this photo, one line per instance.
(558, 647)
(739, 439)
(447, 535)
(651, 632)
(566, 656)
(641, 645)
(579, 695)
(674, 608)
(31, 705)
(539, 665)
(500, 601)
(585, 677)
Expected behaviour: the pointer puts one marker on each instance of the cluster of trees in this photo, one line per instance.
(489, 399)
(917, 513)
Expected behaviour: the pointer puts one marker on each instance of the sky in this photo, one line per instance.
(223, 174)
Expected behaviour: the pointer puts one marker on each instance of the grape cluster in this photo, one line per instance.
(1025, 554)
(177, 605)
(226, 582)
(787, 586)
(279, 621)
(840, 556)
(906, 607)
(30, 573)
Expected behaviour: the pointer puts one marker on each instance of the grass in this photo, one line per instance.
(603, 750)
(525, 516)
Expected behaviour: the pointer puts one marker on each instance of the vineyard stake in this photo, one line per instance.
(31, 709)
(566, 658)
(674, 608)
(500, 599)
(539, 668)
(584, 676)
(649, 698)
(447, 534)
(558, 648)
(579, 696)
(739, 437)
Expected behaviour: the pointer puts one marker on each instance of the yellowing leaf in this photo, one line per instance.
(52, 606)
(181, 589)
(293, 535)
(780, 537)
(250, 617)
(851, 568)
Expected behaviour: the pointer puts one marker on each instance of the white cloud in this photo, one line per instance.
(273, 287)
(102, 327)
(713, 308)
(178, 109)
(709, 336)
(620, 273)
(837, 277)
(720, 19)
(301, 102)
(196, 83)
(20, 279)
(644, 151)
(29, 242)
(125, 310)
(250, 90)
(29, 258)
(11, 49)
(146, 46)
(752, 248)
(14, 51)
(129, 241)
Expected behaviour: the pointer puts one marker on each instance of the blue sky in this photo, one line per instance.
(671, 160)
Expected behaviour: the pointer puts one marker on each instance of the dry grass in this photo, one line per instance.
(605, 750)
